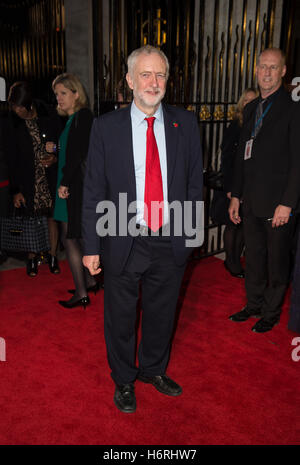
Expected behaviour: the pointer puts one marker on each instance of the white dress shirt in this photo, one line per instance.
(139, 138)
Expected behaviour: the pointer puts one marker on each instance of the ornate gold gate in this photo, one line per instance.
(32, 42)
(212, 46)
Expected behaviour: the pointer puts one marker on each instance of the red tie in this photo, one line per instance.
(153, 181)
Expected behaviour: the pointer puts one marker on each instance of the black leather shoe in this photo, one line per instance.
(245, 314)
(32, 267)
(124, 398)
(84, 301)
(53, 264)
(263, 325)
(163, 384)
(241, 274)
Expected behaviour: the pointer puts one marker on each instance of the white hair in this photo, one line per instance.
(146, 50)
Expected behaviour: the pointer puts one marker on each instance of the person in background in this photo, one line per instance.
(233, 235)
(267, 178)
(123, 93)
(32, 170)
(73, 147)
(4, 188)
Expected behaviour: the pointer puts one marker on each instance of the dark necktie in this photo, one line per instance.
(153, 181)
(258, 117)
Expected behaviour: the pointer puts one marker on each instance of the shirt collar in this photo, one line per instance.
(272, 96)
(138, 116)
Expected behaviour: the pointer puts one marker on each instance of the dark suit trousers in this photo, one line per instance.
(268, 255)
(294, 314)
(151, 267)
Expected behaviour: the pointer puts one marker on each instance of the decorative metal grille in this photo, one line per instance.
(32, 43)
(212, 46)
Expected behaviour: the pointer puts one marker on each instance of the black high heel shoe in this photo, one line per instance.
(95, 288)
(84, 301)
(53, 264)
(32, 267)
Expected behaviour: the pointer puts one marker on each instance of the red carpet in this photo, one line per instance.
(238, 387)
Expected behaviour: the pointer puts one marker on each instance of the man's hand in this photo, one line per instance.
(92, 263)
(281, 216)
(233, 210)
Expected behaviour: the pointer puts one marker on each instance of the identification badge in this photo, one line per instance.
(248, 149)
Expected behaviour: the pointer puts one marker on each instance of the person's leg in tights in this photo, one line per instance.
(32, 264)
(233, 243)
(82, 278)
(53, 236)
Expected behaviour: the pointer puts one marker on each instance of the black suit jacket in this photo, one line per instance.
(74, 169)
(272, 175)
(110, 171)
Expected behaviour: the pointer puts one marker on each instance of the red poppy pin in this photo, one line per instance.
(175, 125)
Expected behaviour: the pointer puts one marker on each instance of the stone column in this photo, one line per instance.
(79, 43)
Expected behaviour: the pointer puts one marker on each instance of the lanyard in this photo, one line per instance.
(260, 119)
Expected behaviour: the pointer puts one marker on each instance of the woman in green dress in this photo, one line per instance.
(73, 147)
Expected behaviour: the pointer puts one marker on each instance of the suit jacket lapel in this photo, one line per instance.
(125, 143)
(274, 112)
(171, 134)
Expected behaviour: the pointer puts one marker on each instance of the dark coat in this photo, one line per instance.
(110, 171)
(220, 201)
(18, 146)
(229, 147)
(74, 169)
(271, 177)
(4, 182)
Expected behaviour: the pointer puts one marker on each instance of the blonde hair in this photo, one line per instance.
(240, 105)
(146, 50)
(71, 82)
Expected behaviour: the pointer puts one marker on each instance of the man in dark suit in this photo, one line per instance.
(267, 178)
(148, 153)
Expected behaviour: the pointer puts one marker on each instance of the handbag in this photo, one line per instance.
(24, 233)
